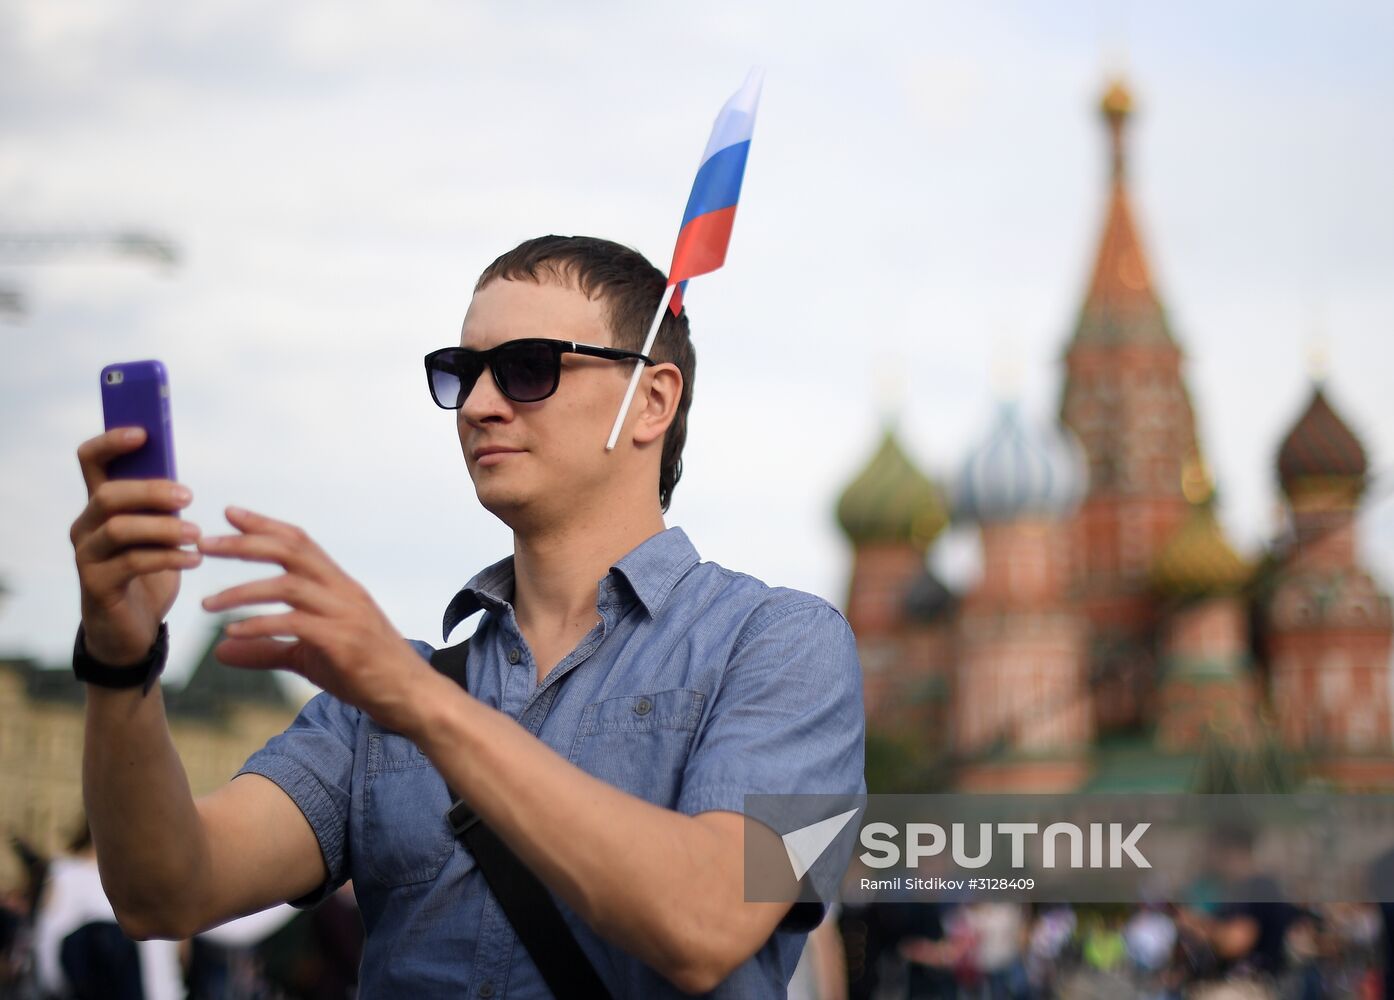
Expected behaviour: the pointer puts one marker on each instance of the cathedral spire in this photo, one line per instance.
(1121, 304)
(1117, 105)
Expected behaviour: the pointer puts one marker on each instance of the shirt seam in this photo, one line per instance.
(321, 803)
(771, 618)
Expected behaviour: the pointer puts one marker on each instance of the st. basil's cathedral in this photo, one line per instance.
(1114, 640)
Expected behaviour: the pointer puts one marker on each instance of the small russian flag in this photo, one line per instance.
(706, 225)
(711, 207)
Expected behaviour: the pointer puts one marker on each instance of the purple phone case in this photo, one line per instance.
(140, 398)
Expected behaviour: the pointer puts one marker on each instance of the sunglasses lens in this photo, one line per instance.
(527, 372)
(452, 379)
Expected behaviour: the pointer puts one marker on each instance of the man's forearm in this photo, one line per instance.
(644, 877)
(150, 843)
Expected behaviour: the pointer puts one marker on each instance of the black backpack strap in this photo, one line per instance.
(525, 900)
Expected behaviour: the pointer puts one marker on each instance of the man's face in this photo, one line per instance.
(532, 461)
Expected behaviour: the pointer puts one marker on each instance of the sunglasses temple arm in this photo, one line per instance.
(639, 366)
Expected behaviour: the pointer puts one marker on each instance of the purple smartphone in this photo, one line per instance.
(136, 394)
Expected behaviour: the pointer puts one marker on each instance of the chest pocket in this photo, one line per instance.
(405, 837)
(639, 742)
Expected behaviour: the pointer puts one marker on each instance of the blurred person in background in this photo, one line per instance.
(81, 953)
(13, 942)
(998, 933)
(822, 970)
(1052, 936)
(1247, 928)
(926, 948)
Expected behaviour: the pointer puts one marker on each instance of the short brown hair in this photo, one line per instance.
(631, 289)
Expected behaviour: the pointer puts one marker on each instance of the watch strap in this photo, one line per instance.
(143, 674)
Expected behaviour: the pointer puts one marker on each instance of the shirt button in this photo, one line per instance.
(513, 657)
(642, 706)
(486, 989)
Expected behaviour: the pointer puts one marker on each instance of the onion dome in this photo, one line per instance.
(1320, 446)
(892, 501)
(1117, 101)
(928, 599)
(1017, 472)
(1197, 560)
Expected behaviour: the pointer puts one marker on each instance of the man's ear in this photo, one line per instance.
(657, 402)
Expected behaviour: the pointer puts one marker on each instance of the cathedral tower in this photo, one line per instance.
(1329, 627)
(1125, 400)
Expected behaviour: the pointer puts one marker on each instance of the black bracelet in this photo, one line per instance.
(142, 674)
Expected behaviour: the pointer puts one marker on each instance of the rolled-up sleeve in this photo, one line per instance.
(312, 762)
(788, 717)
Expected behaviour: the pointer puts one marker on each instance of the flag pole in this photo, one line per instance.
(639, 366)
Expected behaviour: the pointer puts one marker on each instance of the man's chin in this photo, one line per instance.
(507, 503)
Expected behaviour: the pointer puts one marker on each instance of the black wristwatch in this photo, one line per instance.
(142, 674)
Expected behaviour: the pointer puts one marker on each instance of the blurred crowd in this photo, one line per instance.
(1161, 951)
(59, 940)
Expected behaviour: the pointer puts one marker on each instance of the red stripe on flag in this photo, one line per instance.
(702, 244)
(675, 303)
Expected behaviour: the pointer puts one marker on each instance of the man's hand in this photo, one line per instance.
(126, 543)
(340, 639)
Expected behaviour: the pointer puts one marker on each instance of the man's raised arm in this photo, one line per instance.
(169, 864)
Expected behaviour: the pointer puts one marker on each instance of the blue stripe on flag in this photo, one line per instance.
(718, 183)
(730, 128)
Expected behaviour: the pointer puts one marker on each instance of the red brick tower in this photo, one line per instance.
(891, 512)
(1125, 399)
(1328, 626)
(1021, 715)
(1208, 689)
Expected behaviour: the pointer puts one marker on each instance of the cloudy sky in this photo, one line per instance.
(920, 210)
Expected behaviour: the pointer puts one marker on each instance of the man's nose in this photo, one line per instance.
(485, 401)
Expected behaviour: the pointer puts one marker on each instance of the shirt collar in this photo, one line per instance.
(652, 569)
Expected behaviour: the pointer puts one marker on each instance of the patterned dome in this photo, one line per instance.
(1197, 559)
(1018, 471)
(1320, 446)
(892, 501)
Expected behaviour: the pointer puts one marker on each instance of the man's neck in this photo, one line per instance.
(555, 573)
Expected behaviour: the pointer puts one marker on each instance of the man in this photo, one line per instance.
(611, 729)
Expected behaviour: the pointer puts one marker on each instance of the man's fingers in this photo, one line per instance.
(299, 593)
(293, 624)
(263, 654)
(252, 523)
(127, 496)
(114, 574)
(265, 549)
(94, 453)
(127, 530)
(267, 540)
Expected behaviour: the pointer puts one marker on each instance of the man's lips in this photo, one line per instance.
(492, 454)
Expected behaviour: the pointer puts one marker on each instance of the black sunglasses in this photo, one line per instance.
(526, 371)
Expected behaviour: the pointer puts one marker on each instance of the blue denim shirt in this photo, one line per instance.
(696, 686)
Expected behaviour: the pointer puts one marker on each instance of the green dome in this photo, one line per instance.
(892, 501)
(1197, 560)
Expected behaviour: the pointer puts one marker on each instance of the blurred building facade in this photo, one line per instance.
(1114, 639)
(218, 719)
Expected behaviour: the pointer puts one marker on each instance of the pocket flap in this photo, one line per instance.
(679, 709)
